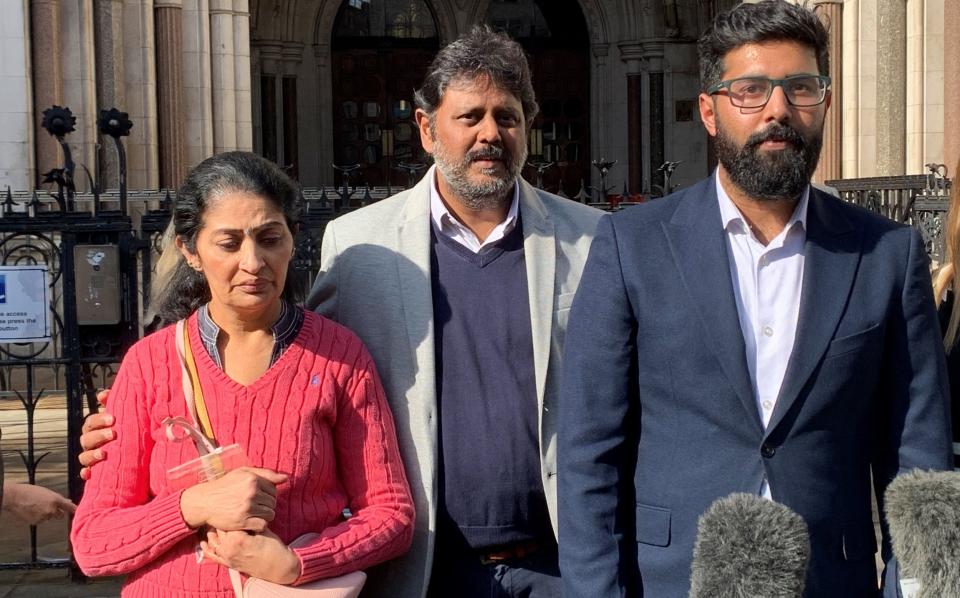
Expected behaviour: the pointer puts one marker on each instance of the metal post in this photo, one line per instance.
(117, 124)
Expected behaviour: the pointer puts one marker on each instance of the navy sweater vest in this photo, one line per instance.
(491, 491)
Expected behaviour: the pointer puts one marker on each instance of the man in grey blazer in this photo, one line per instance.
(460, 288)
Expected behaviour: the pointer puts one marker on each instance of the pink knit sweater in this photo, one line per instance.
(318, 414)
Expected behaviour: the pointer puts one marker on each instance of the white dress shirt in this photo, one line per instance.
(450, 227)
(767, 281)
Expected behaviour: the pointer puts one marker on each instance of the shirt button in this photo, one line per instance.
(767, 405)
(767, 331)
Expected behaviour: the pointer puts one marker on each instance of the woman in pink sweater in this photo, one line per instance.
(297, 392)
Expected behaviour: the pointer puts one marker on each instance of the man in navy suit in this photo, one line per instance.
(747, 334)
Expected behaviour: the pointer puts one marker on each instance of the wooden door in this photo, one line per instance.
(373, 105)
(561, 80)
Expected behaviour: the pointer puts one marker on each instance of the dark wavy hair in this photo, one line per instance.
(770, 20)
(183, 289)
(480, 53)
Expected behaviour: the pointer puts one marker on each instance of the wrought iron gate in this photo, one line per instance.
(92, 323)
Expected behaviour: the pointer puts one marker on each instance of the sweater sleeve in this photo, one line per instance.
(369, 465)
(118, 526)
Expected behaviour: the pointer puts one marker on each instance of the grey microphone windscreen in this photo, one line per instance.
(748, 546)
(923, 511)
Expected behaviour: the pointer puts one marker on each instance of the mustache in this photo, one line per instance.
(492, 152)
(777, 131)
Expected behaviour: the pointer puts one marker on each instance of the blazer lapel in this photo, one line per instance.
(832, 254)
(696, 238)
(540, 256)
(416, 296)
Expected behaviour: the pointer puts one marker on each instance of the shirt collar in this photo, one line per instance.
(448, 224)
(731, 216)
(285, 330)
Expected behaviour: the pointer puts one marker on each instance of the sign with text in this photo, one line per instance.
(24, 306)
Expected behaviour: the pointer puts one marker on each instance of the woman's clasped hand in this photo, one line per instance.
(244, 499)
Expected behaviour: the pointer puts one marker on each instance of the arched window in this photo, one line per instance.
(400, 19)
(380, 53)
(554, 34)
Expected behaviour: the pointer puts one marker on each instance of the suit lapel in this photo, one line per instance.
(540, 257)
(696, 238)
(416, 296)
(832, 253)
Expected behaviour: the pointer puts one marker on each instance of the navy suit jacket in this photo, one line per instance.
(657, 414)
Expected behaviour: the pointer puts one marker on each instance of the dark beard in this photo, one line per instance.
(770, 175)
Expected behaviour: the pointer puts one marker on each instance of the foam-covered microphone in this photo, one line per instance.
(748, 546)
(923, 511)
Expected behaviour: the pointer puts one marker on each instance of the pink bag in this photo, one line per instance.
(344, 586)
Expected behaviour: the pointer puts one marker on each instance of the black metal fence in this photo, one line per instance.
(919, 200)
(91, 290)
(99, 250)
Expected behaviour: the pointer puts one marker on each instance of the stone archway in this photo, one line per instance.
(593, 14)
(292, 72)
(321, 26)
(292, 42)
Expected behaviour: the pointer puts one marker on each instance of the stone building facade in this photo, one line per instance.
(313, 83)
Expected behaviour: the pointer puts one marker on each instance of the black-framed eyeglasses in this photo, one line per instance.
(755, 92)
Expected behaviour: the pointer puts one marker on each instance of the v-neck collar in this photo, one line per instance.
(206, 364)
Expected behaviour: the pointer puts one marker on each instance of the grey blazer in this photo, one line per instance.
(375, 279)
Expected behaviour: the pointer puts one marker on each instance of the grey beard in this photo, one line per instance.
(490, 194)
(771, 176)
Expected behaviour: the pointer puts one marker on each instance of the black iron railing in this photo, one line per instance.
(919, 200)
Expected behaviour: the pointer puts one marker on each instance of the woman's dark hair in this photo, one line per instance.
(770, 20)
(183, 289)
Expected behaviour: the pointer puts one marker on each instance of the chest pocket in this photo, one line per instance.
(854, 342)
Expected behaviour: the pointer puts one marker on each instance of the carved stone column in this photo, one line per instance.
(831, 157)
(16, 143)
(292, 57)
(168, 24)
(197, 86)
(47, 77)
(600, 100)
(111, 91)
(241, 74)
(850, 102)
(891, 87)
(951, 86)
(653, 58)
(323, 158)
(140, 82)
(270, 107)
(223, 76)
(632, 54)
